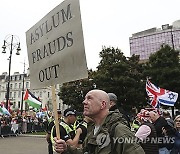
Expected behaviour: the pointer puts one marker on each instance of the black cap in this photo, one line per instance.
(59, 111)
(69, 111)
(112, 97)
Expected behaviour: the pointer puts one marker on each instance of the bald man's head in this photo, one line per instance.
(101, 95)
(96, 103)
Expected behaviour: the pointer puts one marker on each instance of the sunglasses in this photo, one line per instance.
(177, 120)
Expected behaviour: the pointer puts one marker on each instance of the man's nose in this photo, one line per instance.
(84, 102)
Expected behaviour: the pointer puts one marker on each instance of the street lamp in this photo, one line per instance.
(11, 42)
(22, 90)
(172, 38)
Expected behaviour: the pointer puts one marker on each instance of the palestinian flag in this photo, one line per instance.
(3, 110)
(32, 100)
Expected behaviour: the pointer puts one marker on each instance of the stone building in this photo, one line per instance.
(16, 92)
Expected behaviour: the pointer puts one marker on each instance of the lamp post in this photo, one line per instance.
(172, 40)
(22, 90)
(11, 42)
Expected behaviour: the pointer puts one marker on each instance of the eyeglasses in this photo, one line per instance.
(177, 120)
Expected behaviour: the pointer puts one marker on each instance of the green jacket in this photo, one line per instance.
(108, 139)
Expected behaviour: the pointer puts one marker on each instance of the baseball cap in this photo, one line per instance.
(69, 111)
(112, 97)
(59, 111)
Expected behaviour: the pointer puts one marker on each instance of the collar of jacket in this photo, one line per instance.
(111, 118)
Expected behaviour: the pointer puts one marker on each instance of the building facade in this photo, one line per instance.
(149, 41)
(16, 92)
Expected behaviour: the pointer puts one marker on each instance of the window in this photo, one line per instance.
(19, 94)
(14, 94)
(19, 85)
(11, 85)
(27, 84)
(10, 94)
(15, 85)
(13, 78)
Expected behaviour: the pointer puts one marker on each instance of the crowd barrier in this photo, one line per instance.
(22, 128)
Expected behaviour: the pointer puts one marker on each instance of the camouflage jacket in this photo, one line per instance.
(108, 139)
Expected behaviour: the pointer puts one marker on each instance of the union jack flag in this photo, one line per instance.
(160, 96)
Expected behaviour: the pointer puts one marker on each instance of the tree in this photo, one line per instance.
(163, 69)
(72, 93)
(122, 76)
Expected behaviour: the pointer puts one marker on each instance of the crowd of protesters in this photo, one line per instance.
(153, 129)
(157, 132)
(20, 124)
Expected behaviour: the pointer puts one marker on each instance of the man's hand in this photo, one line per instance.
(79, 130)
(60, 145)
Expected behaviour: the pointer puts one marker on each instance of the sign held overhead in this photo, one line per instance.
(55, 47)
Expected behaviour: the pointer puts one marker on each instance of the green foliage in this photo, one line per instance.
(126, 77)
(122, 76)
(163, 69)
(72, 93)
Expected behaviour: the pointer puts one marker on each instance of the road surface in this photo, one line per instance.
(23, 145)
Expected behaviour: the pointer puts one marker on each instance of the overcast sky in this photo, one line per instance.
(105, 23)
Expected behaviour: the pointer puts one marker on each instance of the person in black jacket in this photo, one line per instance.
(160, 124)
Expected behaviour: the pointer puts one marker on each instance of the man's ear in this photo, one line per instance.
(111, 103)
(103, 104)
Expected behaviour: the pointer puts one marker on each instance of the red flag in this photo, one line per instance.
(45, 108)
(26, 95)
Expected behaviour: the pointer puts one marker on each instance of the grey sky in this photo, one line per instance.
(105, 22)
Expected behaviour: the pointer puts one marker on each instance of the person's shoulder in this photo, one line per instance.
(123, 133)
(122, 130)
(161, 118)
(121, 125)
(51, 123)
(163, 121)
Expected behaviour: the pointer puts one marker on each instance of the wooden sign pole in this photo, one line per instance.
(55, 112)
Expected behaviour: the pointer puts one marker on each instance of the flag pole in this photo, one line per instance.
(55, 111)
(172, 39)
(172, 108)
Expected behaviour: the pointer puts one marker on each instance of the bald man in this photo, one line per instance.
(106, 132)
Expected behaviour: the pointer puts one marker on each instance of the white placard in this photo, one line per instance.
(55, 47)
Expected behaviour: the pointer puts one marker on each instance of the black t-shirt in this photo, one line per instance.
(83, 134)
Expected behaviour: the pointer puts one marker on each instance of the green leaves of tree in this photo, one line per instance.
(126, 77)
